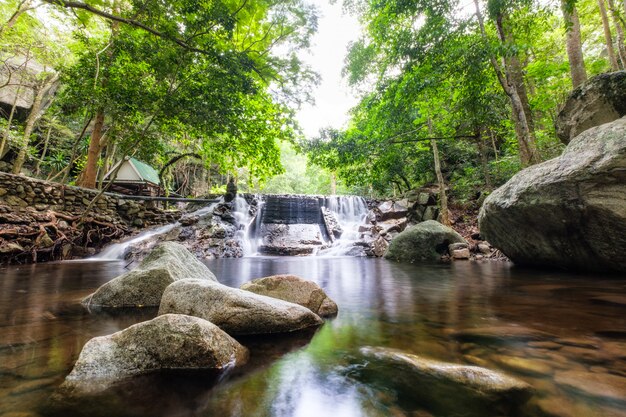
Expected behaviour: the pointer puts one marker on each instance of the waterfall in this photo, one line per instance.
(350, 212)
(117, 251)
(247, 225)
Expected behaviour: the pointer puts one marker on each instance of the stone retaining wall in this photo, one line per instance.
(19, 193)
(41, 220)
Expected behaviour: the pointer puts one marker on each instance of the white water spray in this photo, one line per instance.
(247, 225)
(117, 251)
(350, 212)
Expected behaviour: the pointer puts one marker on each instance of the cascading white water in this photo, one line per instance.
(247, 224)
(117, 251)
(350, 212)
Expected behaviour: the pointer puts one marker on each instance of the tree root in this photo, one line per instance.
(33, 240)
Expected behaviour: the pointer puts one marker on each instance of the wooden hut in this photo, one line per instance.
(135, 177)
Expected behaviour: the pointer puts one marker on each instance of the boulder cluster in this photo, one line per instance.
(570, 212)
(407, 230)
(197, 320)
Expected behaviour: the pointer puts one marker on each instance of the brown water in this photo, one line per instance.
(579, 369)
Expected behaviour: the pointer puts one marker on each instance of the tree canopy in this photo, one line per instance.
(483, 80)
(220, 78)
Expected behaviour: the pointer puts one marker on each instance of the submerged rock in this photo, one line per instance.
(144, 285)
(568, 212)
(427, 241)
(445, 388)
(294, 290)
(600, 100)
(235, 311)
(171, 341)
(603, 386)
(501, 333)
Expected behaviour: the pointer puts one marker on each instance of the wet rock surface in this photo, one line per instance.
(427, 241)
(446, 388)
(501, 333)
(235, 311)
(294, 290)
(568, 212)
(604, 386)
(144, 286)
(170, 341)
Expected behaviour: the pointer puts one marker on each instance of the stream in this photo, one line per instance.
(417, 308)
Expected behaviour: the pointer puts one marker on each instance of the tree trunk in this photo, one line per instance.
(108, 160)
(45, 150)
(484, 163)
(619, 29)
(35, 114)
(608, 38)
(88, 177)
(443, 198)
(525, 137)
(4, 145)
(573, 43)
(516, 72)
(333, 184)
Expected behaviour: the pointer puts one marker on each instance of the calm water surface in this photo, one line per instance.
(416, 308)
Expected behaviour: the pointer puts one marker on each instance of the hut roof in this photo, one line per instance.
(134, 170)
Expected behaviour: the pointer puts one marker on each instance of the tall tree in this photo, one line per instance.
(508, 78)
(574, 42)
(41, 91)
(608, 37)
(201, 68)
(619, 29)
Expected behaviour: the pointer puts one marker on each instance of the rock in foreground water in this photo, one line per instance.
(569, 212)
(445, 388)
(144, 285)
(235, 311)
(294, 290)
(427, 241)
(171, 341)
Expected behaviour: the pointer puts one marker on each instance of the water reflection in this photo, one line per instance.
(578, 370)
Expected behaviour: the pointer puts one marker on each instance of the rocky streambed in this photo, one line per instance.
(398, 325)
(199, 318)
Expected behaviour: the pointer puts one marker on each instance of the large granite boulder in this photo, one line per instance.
(171, 341)
(295, 290)
(235, 311)
(600, 100)
(388, 210)
(144, 285)
(444, 388)
(426, 241)
(569, 212)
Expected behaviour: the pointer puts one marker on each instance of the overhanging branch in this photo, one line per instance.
(131, 22)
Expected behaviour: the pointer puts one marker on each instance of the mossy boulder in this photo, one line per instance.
(235, 311)
(295, 290)
(602, 99)
(569, 212)
(143, 286)
(168, 342)
(426, 241)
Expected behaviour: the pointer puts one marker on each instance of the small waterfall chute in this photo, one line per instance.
(117, 251)
(350, 213)
(247, 224)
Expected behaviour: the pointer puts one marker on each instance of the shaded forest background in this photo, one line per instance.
(462, 94)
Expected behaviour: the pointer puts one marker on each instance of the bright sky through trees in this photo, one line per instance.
(333, 97)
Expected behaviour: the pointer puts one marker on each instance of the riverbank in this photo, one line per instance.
(44, 221)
